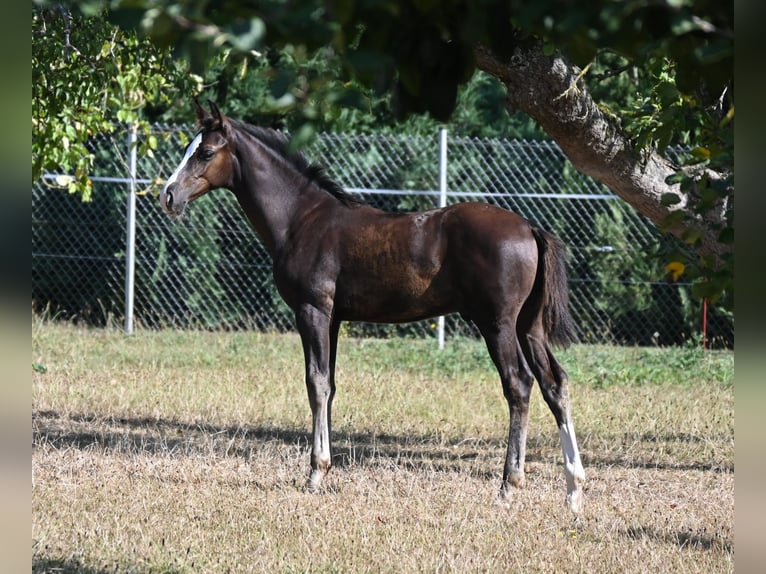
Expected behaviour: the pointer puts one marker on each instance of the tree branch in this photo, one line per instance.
(611, 73)
(542, 87)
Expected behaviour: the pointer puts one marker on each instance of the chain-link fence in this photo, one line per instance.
(210, 270)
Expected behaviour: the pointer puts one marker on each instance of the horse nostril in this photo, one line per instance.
(168, 200)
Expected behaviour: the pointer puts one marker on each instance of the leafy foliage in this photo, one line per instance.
(420, 52)
(662, 64)
(88, 77)
(630, 287)
(663, 69)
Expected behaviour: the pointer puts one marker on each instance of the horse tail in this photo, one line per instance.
(552, 288)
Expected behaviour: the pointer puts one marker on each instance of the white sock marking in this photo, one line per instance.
(572, 463)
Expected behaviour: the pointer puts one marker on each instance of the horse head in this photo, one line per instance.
(208, 163)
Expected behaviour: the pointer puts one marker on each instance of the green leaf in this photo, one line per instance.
(663, 135)
(675, 178)
(711, 289)
(669, 199)
(727, 118)
(691, 236)
(668, 94)
(700, 153)
(673, 220)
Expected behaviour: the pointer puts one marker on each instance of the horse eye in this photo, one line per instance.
(207, 154)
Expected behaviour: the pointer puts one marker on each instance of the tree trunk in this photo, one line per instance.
(548, 89)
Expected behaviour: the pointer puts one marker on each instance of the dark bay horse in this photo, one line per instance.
(336, 259)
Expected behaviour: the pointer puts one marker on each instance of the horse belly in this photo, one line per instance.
(395, 269)
(399, 296)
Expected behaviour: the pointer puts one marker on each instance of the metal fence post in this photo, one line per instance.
(442, 203)
(130, 241)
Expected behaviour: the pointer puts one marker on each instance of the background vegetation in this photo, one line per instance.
(210, 270)
(665, 81)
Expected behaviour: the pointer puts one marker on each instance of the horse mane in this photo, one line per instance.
(279, 143)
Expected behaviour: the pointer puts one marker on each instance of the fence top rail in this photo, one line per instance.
(450, 192)
(102, 179)
(377, 191)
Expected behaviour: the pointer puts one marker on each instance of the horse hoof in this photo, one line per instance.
(575, 501)
(314, 482)
(503, 498)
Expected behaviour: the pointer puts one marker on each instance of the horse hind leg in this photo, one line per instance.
(517, 382)
(554, 385)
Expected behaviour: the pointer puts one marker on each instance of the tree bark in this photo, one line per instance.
(549, 89)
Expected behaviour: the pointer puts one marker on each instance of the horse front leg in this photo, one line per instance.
(319, 335)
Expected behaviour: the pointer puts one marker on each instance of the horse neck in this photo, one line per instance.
(270, 190)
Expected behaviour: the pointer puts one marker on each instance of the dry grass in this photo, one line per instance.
(186, 452)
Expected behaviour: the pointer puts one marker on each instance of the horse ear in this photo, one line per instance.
(201, 112)
(218, 117)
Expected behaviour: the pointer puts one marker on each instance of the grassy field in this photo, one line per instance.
(187, 452)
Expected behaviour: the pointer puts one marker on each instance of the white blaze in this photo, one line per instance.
(189, 152)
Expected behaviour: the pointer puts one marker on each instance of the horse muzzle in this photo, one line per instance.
(170, 202)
